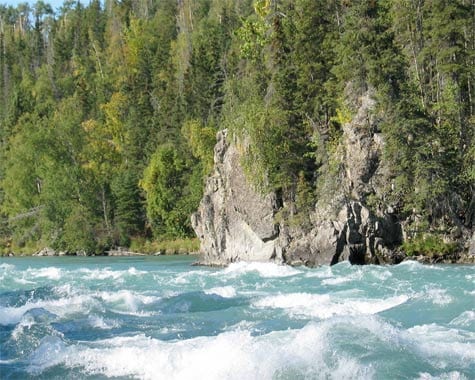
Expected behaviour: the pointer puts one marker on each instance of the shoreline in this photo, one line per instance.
(462, 258)
(105, 254)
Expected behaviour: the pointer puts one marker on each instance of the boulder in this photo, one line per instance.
(46, 252)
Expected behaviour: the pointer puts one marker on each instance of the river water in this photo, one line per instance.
(161, 318)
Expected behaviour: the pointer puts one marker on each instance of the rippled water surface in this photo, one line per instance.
(160, 318)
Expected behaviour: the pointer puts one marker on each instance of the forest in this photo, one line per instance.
(109, 110)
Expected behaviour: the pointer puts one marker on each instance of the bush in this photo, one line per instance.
(428, 245)
(168, 247)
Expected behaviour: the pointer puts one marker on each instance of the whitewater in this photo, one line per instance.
(161, 318)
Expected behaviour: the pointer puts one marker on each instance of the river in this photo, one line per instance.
(161, 318)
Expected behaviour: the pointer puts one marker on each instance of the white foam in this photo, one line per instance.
(442, 346)
(182, 279)
(304, 353)
(439, 296)
(323, 306)
(7, 267)
(73, 302)
(413, 265)
(101, 323)
(454, 375)
(107, 273)
(22, 281)
(223, 291)
(357, 274)
(132, 271)
(62, 307)
(381, 274)
(266, 270)
(126, 299)
(466, 319)
(187, 277)
(51, 273)
(336, 280)
(320, 272)
(25, 324)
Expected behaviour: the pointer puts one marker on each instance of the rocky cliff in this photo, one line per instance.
(236, 222)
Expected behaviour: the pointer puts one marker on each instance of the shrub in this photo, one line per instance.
(428, 245)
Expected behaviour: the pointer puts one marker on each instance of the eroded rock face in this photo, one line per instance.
(234, 221)
(356, 235)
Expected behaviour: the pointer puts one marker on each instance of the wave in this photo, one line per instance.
(98, 322)
(7, 267)
(309, 352)
(107, 273)
(454, 375)
(223, 291)
(323, 306)
(336, 280)
(230, 355)
(188, 277)
(442, 345)
(62, 307)
(39, 275)
(65, 301)
(265, 270)
(466, 319)
(51, 273)
(438, 296)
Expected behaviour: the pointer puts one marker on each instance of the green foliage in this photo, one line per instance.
(201, 141)
(163, 183)
(128, 210)
(253, 38)
(166, 247)
(108, 116)
(79, 233)
(428, 245)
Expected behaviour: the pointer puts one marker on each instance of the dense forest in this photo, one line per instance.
(109, 110)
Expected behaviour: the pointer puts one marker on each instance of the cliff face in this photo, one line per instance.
(343, 227)
(235, 222)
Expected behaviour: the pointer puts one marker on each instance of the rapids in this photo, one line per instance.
(160, 318)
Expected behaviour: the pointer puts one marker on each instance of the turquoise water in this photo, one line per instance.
(160, 318)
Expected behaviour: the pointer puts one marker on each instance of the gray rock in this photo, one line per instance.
(471, 249)
(234, 221)
(46, 252)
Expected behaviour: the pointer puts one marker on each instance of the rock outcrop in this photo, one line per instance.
(355, 234)
(471, 249)
(235, 222)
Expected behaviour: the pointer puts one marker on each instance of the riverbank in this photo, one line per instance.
(138, 247)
